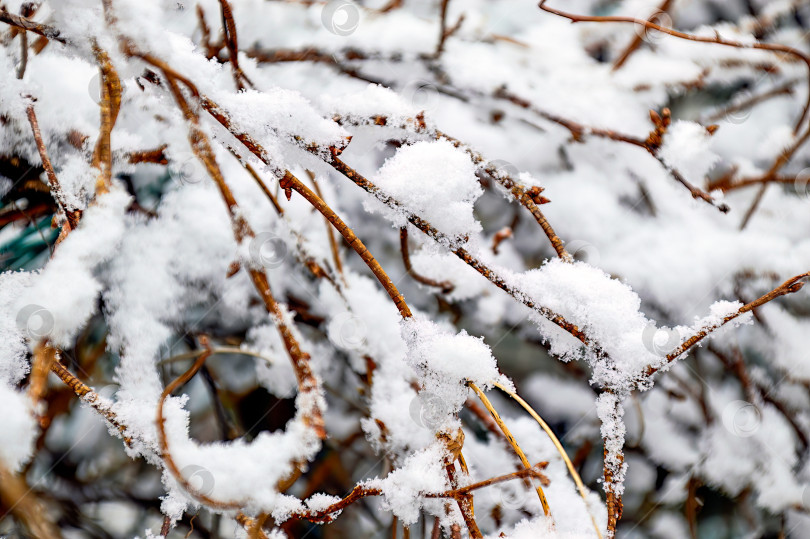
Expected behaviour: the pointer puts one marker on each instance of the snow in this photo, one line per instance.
(18, 428)
(445, 363)
(239, 471)
(436, 181)
(422, 473)
(788, 354)
(687, 149)
(277, 374)
(373, 100)
(153, 265)
(267, 115)
(604, 308)
(610, 411)
(65, 294)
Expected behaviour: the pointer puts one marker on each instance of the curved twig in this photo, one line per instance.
(511, 439)
(166, 455)
(446, 286)
(573, 471)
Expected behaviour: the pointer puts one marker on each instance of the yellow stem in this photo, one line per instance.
(558, 445)
(512, 442)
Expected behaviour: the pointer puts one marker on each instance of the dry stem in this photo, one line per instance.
(512, 442)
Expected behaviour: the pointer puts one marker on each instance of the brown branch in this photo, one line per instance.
(44, 356)
(307, 382)
(71, 217)
(792, 285)
(446, 286)
(390, 6)
(160, 420)
(287, 55)
(694, 190)
(316, 56)
(717, 40)
(748, 182)
(652, 144)
(289, 181)
(211, 50)
(752, 101)
(110, 106)
(328, 514)
(23, 55)
(9, 215)
(613, 499)
(532, 472)
(500, 236)
(638, 39)
(155, 156)
(444, 31)
(231, 41)
(333, 245)
(86, 394)
(780, 162)
(464, 501)
(578, 131)
(27, 24)
(462, 253)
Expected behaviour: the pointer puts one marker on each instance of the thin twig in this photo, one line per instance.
(333, 245)
(444, 31)
(23, 55)
(652, 144)
(231, 41)
(71, 217)
(446, 286)
(166, 454)
(717, 40)
(110, 105)
(752, 101)
(639, 39)
(573, 471)
(44, 356)
(533, 472)
(511, 439)
(87, 395)
(792, 285)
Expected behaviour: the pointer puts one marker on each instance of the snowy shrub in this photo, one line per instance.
(465, 269)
